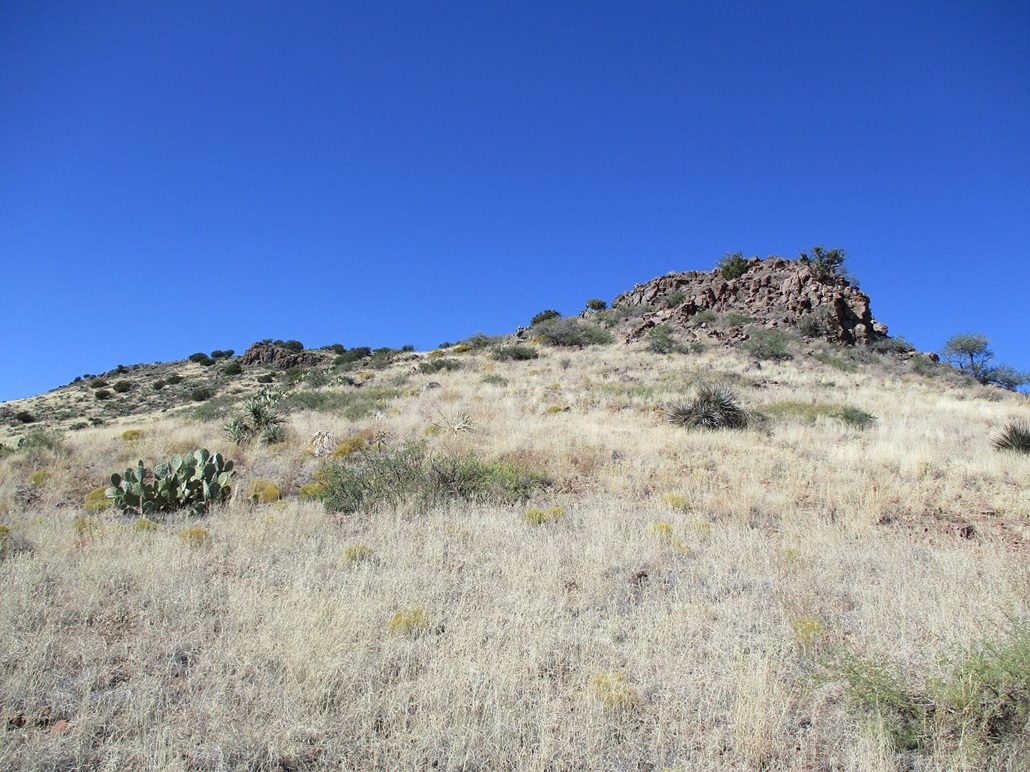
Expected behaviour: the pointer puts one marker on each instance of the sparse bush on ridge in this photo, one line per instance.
(517, 353)
(571, 332)
(971, 354)
(544, 316)
(732, 266)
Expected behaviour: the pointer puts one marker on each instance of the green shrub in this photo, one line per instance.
(544, 316)
(438, 364)
(411, 621)
(159, 384)
(839, 363)
(352, 355)
(102, 394)
(517, 353)
(97, 501)
(217, 354)
(233, 368)
(200, 356)
(732, 266)
(766, 343)
(290, 345)
(370, 479)
(809, 412)
(97, 383)
(596, 304)
(173, 379)
(820, 322)
(25, 417)
(537, 516)
(825, 262)
(733, 319)
(711, 408)
(660, 340)
(479, 341)
(1014, 437)
(201, 394)
(195, 482)
(572, 332)
(122, 386)
(194, 537)
(494, 380)
(676, 298)
(887, 345)
(981, 699)
(42, 439)
(266, 378)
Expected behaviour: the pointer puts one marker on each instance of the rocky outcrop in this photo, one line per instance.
(772, 292)
(281, 358)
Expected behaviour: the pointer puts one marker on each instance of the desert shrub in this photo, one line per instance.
(516, 353)
(200, 356)
(233, 368)
(596, 304)
(122, 386)
(544, 316)
(660, 340)
(195, 536)
(173, 379)
(675, 298)
(613, 691)
(201, 394)
(537, 516)
(97, 501)
(132, 436)
(766, 343)
(159, 384)
(145, 525)
(39, 477)
(810, 412)
(353, 405)
(291, 345)
(265, 378)
(356, 553)
(980, 700)
(436, 365)
(837, 362)
(263, 491)
(494, 379)
(897, 345)
(218, 354)
(732, 266)
(352, 355)
(375, 479)
(310, 491)
(711, 408)
(410, 621)
(708, 316)
(479, 341)
(195, 482)
(25, 417)
(734, 319)
(12, 543)
(52, 441)
(572, 332)
(97, 383)
(102, 394)
(1015, 437)
(825, 262)
(820, 322)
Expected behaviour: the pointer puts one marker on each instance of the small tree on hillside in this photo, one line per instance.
(971, 353)
(824, 262)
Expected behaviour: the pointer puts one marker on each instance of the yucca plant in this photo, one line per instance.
(1014, 437)
(712, 408)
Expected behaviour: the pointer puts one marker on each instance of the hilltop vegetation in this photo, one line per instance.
(631, 539)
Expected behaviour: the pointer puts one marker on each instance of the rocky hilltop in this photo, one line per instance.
(772, 292)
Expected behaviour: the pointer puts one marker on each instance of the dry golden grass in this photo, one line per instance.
(675, 615)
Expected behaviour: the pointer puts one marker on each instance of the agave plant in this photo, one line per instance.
(1014, 437)
(711, 408)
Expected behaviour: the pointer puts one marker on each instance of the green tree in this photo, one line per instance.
(732, 266)
(971, 353)
(596, 304)
(825, 262)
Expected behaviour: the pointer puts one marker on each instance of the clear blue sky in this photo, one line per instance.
(181, 177)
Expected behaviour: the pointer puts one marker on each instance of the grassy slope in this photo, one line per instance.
(596, 642)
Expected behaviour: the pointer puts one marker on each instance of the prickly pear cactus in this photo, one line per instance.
(193, 482)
